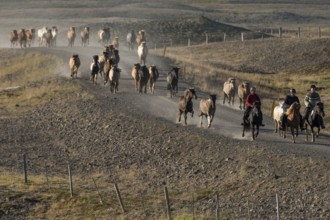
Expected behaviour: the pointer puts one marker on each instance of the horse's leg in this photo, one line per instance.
(243, 134)
(209, 119)
(292, 134)
(318, 132)
(224, 98)
(252, 131)
(257, 130)
(306, 133)
(275, 125)
(201, 120)
(180, 113)
(312, 134)
(240, 103)
(233, 100)
(185, 118)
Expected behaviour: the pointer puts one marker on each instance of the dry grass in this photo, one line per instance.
(27, 79)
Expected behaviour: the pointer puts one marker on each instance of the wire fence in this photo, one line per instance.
(114, 198)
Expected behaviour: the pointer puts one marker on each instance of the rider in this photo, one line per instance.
(311, 99)
(250, 100)
(289, 100)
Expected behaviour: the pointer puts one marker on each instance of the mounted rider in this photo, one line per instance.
(311, 99)
(289, 100)
(250, 100)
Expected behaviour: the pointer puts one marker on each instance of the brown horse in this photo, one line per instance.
(186, 105)
(153, 76)
(293, 120)
(207, 108)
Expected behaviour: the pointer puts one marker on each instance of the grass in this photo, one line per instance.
(31, 81)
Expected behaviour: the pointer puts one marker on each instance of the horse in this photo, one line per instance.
(186, 105)
(253, 121)
(277, 116)
(229, 91)
(95, 67)
(172, 80)
(315, 120)
(153, 76)
(293, 120)
(130, 39)
(207, 107)
(143, 73)
(135, 75)
(74, 64)
(114, 76)
(106, 68)
(243, 92)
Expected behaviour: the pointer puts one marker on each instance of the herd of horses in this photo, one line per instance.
(142, 76)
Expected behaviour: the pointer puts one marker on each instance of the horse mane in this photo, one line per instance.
(290, 110)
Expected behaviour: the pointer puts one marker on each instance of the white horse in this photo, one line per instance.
(277, 116)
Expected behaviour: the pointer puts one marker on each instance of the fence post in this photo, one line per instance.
(319, 32)
(280, 32)
(242, 36)
(119, 198)
(70, 181)
(248, 208)
(98, 192)
(277, 208)
(25, 169)
(206, 39)
(164, 51)
(188, 42)
(224, 37)
(217, 208)
(171, 43)
(167, 203)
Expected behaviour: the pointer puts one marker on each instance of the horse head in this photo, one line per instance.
(319, 109)
(190, 94)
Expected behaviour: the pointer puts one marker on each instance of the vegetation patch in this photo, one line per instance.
(28, 79)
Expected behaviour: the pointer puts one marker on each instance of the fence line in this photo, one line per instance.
(270, 33)
(215, 209)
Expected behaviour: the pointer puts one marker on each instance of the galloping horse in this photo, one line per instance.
(277, 116)
(186, 105)
(254, 120)
(315, 120)
(293, 120)
(154, 74)
(172, 80)
(114, 76)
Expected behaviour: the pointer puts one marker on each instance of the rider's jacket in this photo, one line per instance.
(311, 99)
(289, 100)
(251, 99)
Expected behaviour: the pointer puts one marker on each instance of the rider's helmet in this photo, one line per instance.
(292, 90)
(313, 87)
(253, 89)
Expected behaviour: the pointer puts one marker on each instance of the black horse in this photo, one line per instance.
(254, 121)
(315, 120)
(172, 80)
